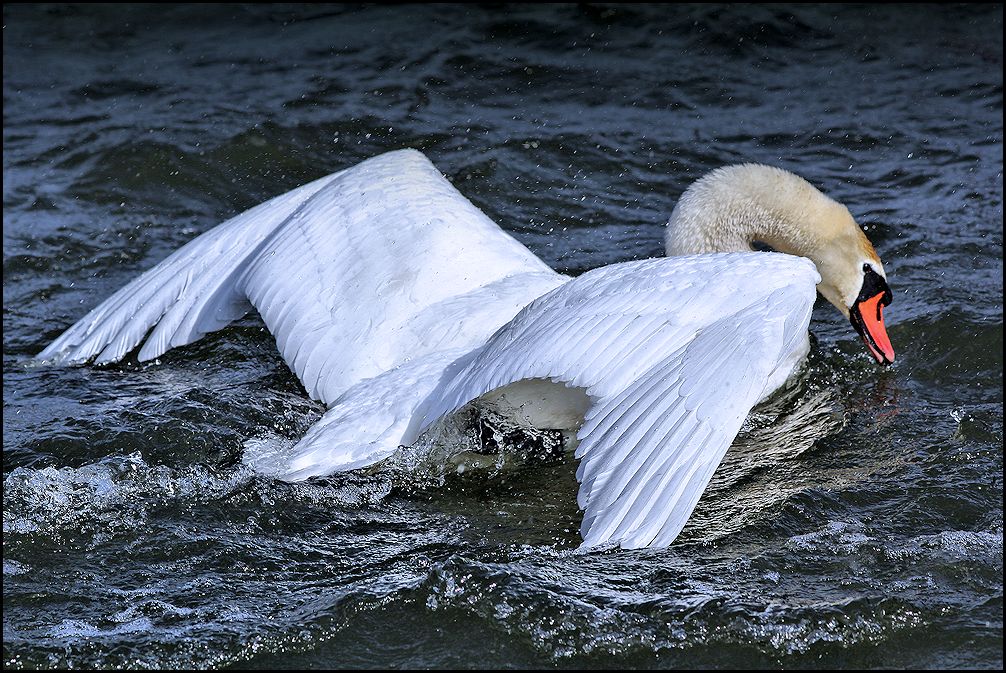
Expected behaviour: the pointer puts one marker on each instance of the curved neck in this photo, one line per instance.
(738, 233)
(732, 208)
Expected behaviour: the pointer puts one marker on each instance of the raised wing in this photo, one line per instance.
(192, 292)
(673, 353)
(350, 273)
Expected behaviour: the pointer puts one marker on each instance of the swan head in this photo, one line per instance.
(752, 206)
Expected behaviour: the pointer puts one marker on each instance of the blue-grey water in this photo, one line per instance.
(857, 521)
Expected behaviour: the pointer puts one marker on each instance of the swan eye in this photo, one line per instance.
(874, 284)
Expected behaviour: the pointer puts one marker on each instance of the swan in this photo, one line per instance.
(396, 302)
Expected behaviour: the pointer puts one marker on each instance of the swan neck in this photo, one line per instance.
(750, 230)
(735, 208)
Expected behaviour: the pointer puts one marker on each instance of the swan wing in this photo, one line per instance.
(673, 353)
(190, 293)
(354, 274)
(363, 427)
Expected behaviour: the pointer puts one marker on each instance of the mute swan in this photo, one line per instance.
(396, 301)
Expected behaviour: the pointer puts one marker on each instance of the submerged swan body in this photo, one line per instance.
(396, 301)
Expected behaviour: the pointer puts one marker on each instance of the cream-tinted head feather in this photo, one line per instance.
(734, 208)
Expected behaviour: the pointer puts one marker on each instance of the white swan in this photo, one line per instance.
(396, 301)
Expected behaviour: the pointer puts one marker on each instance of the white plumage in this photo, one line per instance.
(395, 301)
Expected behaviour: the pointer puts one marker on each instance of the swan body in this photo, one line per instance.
(396, 302)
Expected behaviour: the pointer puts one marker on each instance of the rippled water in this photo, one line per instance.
(858, 520)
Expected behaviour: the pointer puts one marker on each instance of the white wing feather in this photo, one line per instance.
(674, 353)
(354, 274)
(189, 294)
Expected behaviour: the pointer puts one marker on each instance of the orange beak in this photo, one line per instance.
(867, 316)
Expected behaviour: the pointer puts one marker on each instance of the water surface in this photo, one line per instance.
(857, 521)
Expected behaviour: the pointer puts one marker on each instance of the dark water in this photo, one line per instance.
(858, 520)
